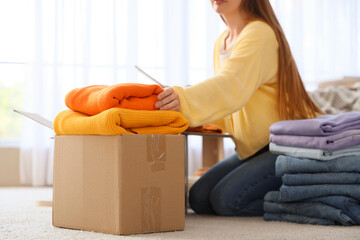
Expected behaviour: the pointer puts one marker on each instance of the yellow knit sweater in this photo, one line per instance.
(116, 121)
(242, 96)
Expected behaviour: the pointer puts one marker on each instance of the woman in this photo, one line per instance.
(256, 83)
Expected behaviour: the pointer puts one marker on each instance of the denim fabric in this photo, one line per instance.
(299, 193)
(199, 194)
(310, 209)
(285, 164)
(321, 126)
(283, 217)
(313, 153)
(234, 187)
(320, 178)
(341, 140)
(348, 206)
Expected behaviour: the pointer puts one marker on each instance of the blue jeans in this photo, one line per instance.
(285, 164)
(320, 178)
(348, 206)
(286, 217)
(235, 187)
(314, 208)
(299, 193)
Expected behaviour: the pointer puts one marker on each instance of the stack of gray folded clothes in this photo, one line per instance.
(319, 163)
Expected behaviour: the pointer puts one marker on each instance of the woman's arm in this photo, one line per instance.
(254, 58)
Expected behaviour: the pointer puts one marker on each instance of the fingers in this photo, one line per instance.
(168, 100)
(167, 91)
(173, 106)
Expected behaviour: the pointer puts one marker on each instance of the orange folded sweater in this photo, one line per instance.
(117, 121)
(207, 128)
(94, 99)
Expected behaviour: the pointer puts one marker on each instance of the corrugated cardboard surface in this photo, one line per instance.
(119, 184)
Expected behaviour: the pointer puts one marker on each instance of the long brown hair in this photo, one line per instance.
(293, 100)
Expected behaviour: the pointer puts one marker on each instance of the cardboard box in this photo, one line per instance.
(119, 184)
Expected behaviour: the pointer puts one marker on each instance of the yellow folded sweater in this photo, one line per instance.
(117, 121)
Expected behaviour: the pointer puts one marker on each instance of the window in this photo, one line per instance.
(15, 47)
(57, 45)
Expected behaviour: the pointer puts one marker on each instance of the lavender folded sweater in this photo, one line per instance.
(342, 139)
(323, 125)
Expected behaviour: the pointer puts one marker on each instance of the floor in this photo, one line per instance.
(22, 218)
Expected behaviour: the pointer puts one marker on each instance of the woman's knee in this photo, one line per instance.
(222, 203)
(199, 200)
(200, 191)
(235, 195)
(195, 197)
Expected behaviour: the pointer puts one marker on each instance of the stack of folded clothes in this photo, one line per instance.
(127, 108)
(319, 163)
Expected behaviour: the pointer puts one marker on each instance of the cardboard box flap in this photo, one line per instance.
(36, 118)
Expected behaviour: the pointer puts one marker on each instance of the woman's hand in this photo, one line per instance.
(168, 100)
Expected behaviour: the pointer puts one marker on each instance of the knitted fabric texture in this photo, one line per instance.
(117, 121)
(206, 128)
(94, 99)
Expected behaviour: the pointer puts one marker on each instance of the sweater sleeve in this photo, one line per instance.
(237, 80)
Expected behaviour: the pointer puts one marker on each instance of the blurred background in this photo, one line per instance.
(48, 47)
